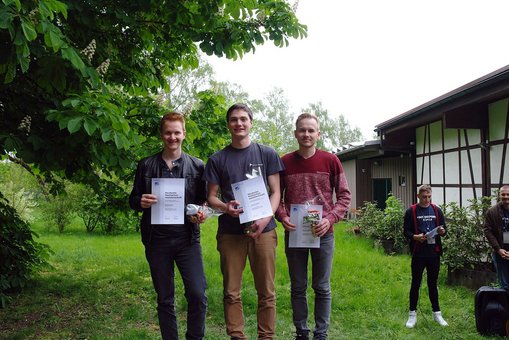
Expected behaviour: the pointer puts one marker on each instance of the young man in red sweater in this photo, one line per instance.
(310, 173)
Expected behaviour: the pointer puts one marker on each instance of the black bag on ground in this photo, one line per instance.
(491, 311)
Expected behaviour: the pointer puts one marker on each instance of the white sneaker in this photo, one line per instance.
(437, 316)
(412, 319)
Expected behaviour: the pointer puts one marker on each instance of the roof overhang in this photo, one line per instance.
(454, 106)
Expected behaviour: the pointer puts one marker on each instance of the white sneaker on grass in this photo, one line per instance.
(412, 319)
(437, 316)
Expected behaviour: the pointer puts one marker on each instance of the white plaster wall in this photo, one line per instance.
(475, 156)
(419, 140)
(437, 175)
(497, 117)
(473, 135)
(452, 194)
(468, 194)
(452, 168)
(496, 164)
(437, 195)
(349, 167)
(450, 139)
(436, 136)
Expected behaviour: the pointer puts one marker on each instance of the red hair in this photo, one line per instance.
(172, 117)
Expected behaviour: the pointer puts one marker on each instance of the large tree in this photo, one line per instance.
(273, 122)
(335, 131)
(79, 76)
(78, 85)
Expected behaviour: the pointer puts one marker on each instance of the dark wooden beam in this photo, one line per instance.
(467, 117)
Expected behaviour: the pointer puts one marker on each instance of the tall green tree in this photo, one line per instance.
(334, 130)
(79, 76)
(273, 122)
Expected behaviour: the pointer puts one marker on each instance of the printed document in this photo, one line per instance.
(253, 198)
(169, 208)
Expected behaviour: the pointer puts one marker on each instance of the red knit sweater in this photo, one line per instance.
(319, 175)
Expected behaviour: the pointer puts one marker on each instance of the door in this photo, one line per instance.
(381, 189)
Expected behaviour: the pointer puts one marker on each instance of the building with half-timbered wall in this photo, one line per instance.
(457, 143)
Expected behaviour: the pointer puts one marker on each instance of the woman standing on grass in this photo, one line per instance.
(424, 226)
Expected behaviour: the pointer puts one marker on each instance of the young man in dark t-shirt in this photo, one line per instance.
(424, 225)
(241, 160)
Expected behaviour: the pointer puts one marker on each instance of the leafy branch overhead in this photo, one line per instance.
(85, 73)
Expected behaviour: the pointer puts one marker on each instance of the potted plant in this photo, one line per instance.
(385, 227)
(467, 253)
(369, 218)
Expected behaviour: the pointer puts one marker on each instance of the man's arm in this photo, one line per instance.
(138, 199)
(489, 225)
(229, 208)
(343, 195)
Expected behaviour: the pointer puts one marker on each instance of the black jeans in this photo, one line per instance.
(162, 256)
(432, 266)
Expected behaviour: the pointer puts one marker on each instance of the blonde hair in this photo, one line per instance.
(306, 115)
(424, 187)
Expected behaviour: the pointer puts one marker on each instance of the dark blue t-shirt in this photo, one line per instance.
(426, 221)
(232, 165)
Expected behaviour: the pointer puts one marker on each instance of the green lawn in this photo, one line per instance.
(99, 287)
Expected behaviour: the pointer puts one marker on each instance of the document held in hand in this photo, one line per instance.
(304, 216)
(169, 208)
(254, 199)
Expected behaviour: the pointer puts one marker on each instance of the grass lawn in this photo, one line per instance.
(99, 287)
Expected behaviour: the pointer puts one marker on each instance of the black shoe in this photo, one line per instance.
(302, 336)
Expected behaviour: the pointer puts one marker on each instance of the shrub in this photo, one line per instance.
(391, 227)
(21, 257)
(87, 204)
(369, 219)
(465, 245)
(59, 210)
(384, 225)
(20, 188)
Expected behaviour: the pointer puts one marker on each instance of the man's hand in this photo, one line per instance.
(258, 226)
(420, 237)
(322, 227)
(504, 254)
(232, 208)
(147, 200)
(289, 226)
(440, 230)
(199, 218)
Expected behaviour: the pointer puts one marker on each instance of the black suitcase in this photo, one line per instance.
(491, 311)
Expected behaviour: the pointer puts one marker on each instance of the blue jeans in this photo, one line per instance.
(161, 257)
(502, 268)
(321, 262)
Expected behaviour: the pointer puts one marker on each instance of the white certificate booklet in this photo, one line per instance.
(169, 208)
(303, 237)
(253, 198)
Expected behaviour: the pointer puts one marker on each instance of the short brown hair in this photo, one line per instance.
(172, 116)
(307, 115)
(424, 187)
(239, 106)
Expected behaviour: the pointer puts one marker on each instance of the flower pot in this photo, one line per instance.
(388, 246)
(472, 278)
